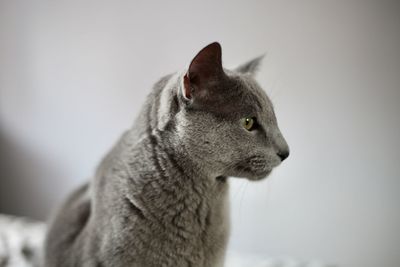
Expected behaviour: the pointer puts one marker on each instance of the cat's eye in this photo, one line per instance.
(248, 123)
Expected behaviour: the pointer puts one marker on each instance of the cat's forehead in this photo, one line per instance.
(245, 97)
(256, 94)
(235, 96)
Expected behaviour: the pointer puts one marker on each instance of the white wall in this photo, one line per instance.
(73, 74)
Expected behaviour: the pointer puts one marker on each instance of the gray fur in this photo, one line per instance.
(159, 198)
(250, 67)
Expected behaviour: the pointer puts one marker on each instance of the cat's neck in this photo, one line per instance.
(171, 165)
(169, 191)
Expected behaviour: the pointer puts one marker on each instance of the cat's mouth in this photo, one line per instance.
(254, 168)
(251, 174)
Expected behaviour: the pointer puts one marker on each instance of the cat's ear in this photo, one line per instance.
(250, 67)
(205, 68)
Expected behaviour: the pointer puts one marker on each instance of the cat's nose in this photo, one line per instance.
(280, 145)
(283, 154)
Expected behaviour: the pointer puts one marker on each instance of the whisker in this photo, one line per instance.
(241, 200)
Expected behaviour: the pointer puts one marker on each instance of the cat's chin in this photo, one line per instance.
(252, 175)
(257, 176)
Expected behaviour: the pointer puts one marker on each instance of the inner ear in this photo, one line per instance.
(204, 69)
(187, 90)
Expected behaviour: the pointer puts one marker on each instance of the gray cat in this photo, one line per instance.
(159, 198)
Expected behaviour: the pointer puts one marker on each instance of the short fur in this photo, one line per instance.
(159, 198)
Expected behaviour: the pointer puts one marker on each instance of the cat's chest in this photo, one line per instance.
(197, 236)
(189, 229)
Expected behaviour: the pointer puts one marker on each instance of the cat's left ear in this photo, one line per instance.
(204, 71)
(250, 67)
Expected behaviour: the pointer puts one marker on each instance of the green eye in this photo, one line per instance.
(248, 123)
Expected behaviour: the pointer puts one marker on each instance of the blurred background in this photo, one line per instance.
(74, 74)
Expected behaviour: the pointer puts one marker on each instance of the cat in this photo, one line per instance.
(159, 198)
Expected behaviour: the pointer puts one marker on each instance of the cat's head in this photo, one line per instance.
(226, 122)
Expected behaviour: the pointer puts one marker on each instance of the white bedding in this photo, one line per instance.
(21, 242)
